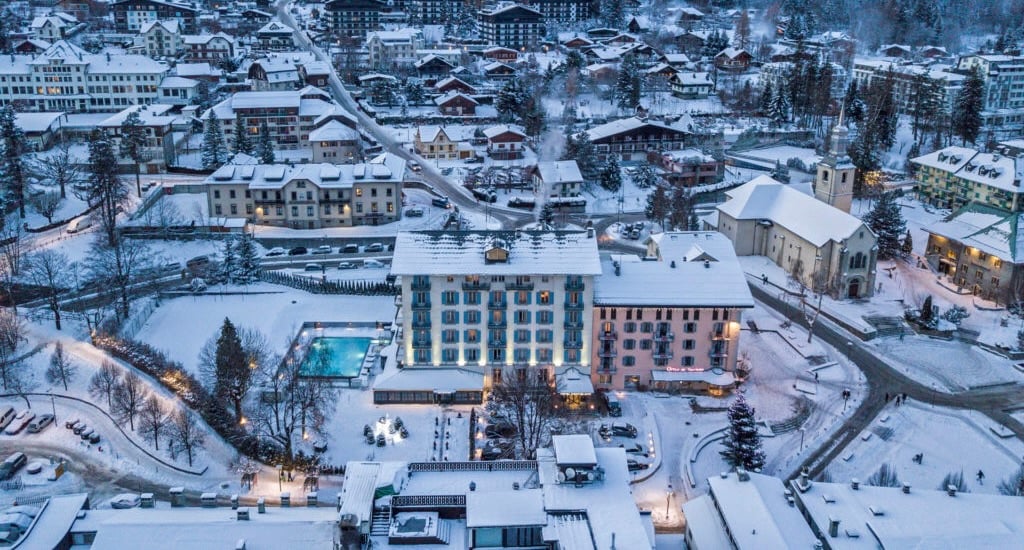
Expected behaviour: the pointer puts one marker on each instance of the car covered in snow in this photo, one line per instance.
(276, 251)
(20, 422)
(124, 501)
(347, 265)
(323, 249)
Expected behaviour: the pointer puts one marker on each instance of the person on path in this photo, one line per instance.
(886, 397)
(981, 477)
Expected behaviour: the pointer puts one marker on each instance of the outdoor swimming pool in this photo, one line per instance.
(335, 356)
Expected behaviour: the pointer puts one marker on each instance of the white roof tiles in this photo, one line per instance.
(462, 253)
(766, 199)
(989, 169)
(623, 125)
(334, 131)
(679, 277)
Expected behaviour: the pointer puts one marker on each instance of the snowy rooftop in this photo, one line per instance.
(178, 82)
(177, 528)
(441, 100)
(430, 378)
(575, 449)
(559, 171)
(334, 131)
(873, 517)
(495, 131)
(634, 123)
(608, 504)
(990, 230)
(36, 122)
(73, 55)
(678, 275)
(511, 253)
(989, 169)
(757, 515)
(149, 115)
(205, 38)
(383, 168)
(766, 199)
(456, 482)
(53, 522)
(196, 69)
(359, 488)
(524, 507)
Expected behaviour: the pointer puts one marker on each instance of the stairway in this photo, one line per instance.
(381, 522)
(444, 531)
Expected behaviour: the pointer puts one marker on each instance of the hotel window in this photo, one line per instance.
(472, 336)
(545, 336)
(523, 297)
(522, 336)
(690, 327)
(646, 344)
(472, 297)
(472, 317)
(545, 317)
(687, 361)
(647, 327)
(522, 316)
(544, 355)
(450, 336)
(521, 355)
(450, 317)
(628, 361)
(450, 298)
(545, 297)
(449, 355)
(630, 327)
(689, 344)
(629, 343)
(472, 354)
(572, 356)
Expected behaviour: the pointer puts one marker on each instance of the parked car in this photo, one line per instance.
(8, 414)
(298, 251)
(198, 265)
(415, 166)
(323, 249)
(415, 212)
(87, 434)
(350, 249)
(347, 265)
(313, 267)
(125, 501)
(12, 464)
(634, 449)
(20, 422)
(441, 202)
(81, 427)
(94, 438)
(635, 465)
(69, 424)
(79, 224)
(374, 264)
(276, 251)
(42, 422)
(623, 429)
(375, 247)
(614, 407)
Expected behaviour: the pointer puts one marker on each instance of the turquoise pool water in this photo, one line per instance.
(335, 356)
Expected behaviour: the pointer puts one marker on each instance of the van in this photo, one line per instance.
(351, 249)
(314, 267)
(6, 417)
(614, 407)
(12, 464)
(79, 224)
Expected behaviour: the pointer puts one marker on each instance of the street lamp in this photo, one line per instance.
(280, 476)
(802, 432)
(668, 500)
(54, 406)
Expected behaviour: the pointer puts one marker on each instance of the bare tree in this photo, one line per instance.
(186, 433)
(1013, 486)
(103, 383)
(163, 214)
(61, 167)
(129, 396)
(119, 265)
(60, 369)
(526, 401)
(49, 270)
(813, 288)
(12, 335)
(152, 420)
(11, 243)
(46, 204)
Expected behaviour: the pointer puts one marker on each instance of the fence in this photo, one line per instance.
(315, 286)
(130, 328)
(495, 466)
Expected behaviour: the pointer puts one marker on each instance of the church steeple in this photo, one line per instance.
(834, 181)
(840, 138)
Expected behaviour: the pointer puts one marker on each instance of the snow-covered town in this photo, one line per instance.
(545, 274)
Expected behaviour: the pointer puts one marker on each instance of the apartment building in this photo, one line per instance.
(689, 167)
(290, 116)
(69, 79)
(563, 12)
(512, 26)
(956, 176)
(131, 15)
(632, 138)
(158, 149)
(1004, 91)
(160, 38)
(353, 19)
(392, 49)
(275, 36)
(309, 196)
(670, 320)
(497, 302)
(907, 80)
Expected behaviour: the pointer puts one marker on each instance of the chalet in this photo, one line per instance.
(678, 60)
(688, 16)
(259, 17)
(505, 142)
(453, 84)
(933, 52)
(733, 59)
(661, 70)
(638, 24)
(334, 142)
(367, 81)
(600, 34)
(691, 42)
(30, 46)
(54, 27)
(511, 26)
(632, 138)
(575, 42)
(275, 37)
(896, 50)
(602, 73)
(691, 85)
(559, 178)
(499, 53)
(621, 39)
(78, 8)
(456, 104)
(130, 15)
(199, 71)
(689, 167)
(497, 69)
(208, 48)
(316, 73)
(433, 67)
(160, 38)
(434, 143)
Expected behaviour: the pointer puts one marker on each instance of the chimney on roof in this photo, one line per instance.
(108, 57)
(618, 268)
(833, 527)
(951, 490)
(590, 232)
(855, 484)
(472, 486)
(707, 264)
(906, 488)
(742, 474)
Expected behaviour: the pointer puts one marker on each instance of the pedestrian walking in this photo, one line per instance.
(886, 397)
(904, 397)
(981, 477)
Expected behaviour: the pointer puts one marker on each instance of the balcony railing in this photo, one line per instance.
(421, 285)
(663, 353)
(421, 344)
(500, 304)
(608, 352)
(574, 305)
(420, 304)
(719, 352)
(475, 285)
(500, 323)
(608, 336)
(421, 323)
(526, 285)
(606, 370)
(718, 335)
(573, 344)
(664, 336)
(577, 325)
(497, 343)
(574, 285)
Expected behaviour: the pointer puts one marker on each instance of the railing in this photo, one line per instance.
(428, 501)
(608, 336)
(420, 285)
(574, 305)
(519, 286)
(421, 324)
(574, 285)
(502, 304)
(718, 352)
(497, 324)
(718, 335)
(667, 336)
(466, 466)
(606, 370)
(421, 304)
(497, 343)
(663, 354)
(475, 285)
(573, 324)
(420, 344)
(607, 352)
(573, 344)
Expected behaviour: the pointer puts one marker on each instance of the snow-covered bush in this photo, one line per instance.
(956, 315)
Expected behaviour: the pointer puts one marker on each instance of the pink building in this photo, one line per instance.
(670, 321)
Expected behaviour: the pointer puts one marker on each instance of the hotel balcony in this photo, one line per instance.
(608, 336)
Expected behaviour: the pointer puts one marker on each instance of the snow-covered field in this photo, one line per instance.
(950, 440)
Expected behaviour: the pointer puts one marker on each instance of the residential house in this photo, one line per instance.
(393, 49)
(688, 16)
(160, 38)
(432, 67)
(316, 73)
(177, 90)
(505, 142)
(512, 26)
(500, 53)
(199, 71)
(279, 71)
(354, 19)
(733, 60)
(497, 69)
(632, 138)
(639, 24)
(275, 36)
(158, 148)
(310, 196)
(896, 50)
(80, 9)
(456, 104)
(691, 85)
(558, 178)
(955, 176)
(499, 303)
(689, 167)
(575, 42)
(30, 46)
(54, 27)
(87, 82)
(933, 52)
(40, 130)
(208, 48)
(130, 15)
(670, 321)
(335, 142)
(434, 143)
(290, 116)
(453, 84)
(818, 244)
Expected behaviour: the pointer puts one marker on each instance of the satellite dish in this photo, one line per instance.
(561, 477)
(570, 473)
(591, 476)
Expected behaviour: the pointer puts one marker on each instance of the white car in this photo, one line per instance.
(373, 264)
(19, 422)
(125, 500)
(276, 251)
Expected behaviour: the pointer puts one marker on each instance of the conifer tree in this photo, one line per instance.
(742, 442)
(248, 260)
(231, 367)
(887, 223)
(214, 152)
(242, 142)
(657, 208)
(611, 176)
(968, 106)
(12, 168)
(229, 262)
(908, 245)
(266, 144)
(133, 144)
